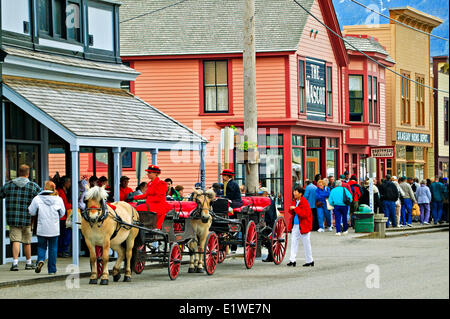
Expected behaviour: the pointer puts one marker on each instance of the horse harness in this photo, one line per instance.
(104, 214)
(197, 212)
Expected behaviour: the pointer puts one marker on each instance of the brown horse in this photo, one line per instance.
(100, 226)
(201, 228)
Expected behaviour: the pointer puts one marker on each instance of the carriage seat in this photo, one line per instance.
(256, 203)
(183, 208)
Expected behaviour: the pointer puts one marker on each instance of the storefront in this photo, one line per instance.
(411, 155)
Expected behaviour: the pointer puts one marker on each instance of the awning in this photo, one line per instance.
(86, 115)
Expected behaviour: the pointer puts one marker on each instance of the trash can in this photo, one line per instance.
(364, 220)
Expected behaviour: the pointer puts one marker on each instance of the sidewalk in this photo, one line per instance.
(28, 277)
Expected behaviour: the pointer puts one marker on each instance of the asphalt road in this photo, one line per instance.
(345, 267)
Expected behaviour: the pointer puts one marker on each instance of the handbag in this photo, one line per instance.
(415, 211)
(319, 204)
(329, 207)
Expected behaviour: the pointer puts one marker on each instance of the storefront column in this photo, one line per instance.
(202, 165)
(74, 149)
(154, 156)
(117, 172)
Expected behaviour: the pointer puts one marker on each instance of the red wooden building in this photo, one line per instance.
(365, 106)
(190, 60)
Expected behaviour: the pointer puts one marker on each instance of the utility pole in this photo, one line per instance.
(250, 115)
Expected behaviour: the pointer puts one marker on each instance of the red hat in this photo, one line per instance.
(227, 172)
(153, 169)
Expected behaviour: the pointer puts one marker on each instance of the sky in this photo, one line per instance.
(350, 13)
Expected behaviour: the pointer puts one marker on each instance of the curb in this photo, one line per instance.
(405, 232)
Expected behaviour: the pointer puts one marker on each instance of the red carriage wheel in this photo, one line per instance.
(174, 261)
(211, 253)
(99, 254)
(250, 245)
(138, 260)
(279, 240)
(222, 253)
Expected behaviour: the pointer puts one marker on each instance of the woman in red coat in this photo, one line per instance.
(155, 197)
(302, 222)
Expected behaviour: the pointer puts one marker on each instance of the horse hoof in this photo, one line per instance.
(191, 270)
(200, 271)
(104, 282)
(93, 282)
(127, 279)
(116, 277)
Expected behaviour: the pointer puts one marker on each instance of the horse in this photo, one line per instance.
(101, 226)
(200, 226)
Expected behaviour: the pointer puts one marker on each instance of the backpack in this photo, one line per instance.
(352, 187)
(345, 198)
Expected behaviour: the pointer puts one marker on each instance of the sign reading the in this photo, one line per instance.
(382, 152)
(413, 137)
(315, 90)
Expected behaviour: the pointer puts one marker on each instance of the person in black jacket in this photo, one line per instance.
(231, 189)
(389, 195)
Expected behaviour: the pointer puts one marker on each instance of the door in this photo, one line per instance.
(312, 168)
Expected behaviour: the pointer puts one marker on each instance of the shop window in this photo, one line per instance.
(400, 152)
(401, 169)
(419, 171)
(356, 98)
(354, 165)
(420, 104)
(388, 167)
(215, 84)
(409, 153)
(301, 86)
(418, 153)
(271, 168)
(375, 100)
(445, 169)
(405, 107)
(298, 152)
(19, 154)
(313, 157)
(332, 157)
(446, 120)
(20, 125)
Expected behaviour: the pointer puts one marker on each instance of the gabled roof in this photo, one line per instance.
(366, 44)
(87, 112)
(207, 27)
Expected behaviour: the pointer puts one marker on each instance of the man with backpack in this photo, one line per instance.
(356, 191)
(389, 196)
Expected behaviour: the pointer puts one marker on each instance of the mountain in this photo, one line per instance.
(350, 13)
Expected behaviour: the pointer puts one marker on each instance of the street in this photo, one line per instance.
(345, 267)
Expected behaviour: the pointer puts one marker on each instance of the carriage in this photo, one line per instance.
(246, 226)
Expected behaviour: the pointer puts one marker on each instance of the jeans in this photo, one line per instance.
(323, 212)
(340, 212)
(406, 209)
(390, 211)
(52, 244)
(437, 207)
(65, 237)
(424, 212)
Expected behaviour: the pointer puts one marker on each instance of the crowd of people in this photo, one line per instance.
(321, 205)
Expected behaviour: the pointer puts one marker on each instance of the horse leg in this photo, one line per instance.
(192, 249)
(105, 257)
(129, 254)
(93, 262)
(120, 256)
(200, 251)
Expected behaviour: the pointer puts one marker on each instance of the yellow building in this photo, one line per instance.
(409, 107)
(441, 81)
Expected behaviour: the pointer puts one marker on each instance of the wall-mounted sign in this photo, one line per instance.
(413, 137)
(315, 90)
(382, 152)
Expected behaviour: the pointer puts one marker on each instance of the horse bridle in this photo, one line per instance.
(100, 218)
(199, 209)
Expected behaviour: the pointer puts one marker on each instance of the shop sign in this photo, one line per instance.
(382, 152)
(315, 90)
(413, 137)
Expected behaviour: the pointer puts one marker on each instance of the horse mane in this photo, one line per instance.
(96, 193)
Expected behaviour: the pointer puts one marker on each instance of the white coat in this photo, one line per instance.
(49, 209)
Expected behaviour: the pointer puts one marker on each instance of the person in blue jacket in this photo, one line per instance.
(310, 196)
(336, 199)
(322, 193)
(438, 194)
